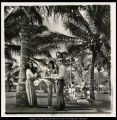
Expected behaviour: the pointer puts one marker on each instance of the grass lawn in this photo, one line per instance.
(102, 104)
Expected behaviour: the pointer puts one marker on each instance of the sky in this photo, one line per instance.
(56, 25)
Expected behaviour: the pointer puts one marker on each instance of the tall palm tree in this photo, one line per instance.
(89, 23)
(26, 23)
(99, 25)
(22, 19)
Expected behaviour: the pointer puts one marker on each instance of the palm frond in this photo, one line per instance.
(51, 37)
(35, 15)
(13, 47)
(11, 30)
(17, 11)
(48, 40)
(41, 61)
(57, 9)
(8, 10)
(102, 17)
(34, 30)
(15, 69)
(76, 31)
(76, 21)
(43, 51)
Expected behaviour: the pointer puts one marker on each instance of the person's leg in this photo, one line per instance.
(28, 93)
(9, 88)
(49, 100)
(49, 96)
(50, 104)
(35, 96)
(60, 96)
(73, 95)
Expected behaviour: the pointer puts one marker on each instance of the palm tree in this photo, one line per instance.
(26, 23)
(96, 28)
(102, 36)
(89, 23)
(23, 21)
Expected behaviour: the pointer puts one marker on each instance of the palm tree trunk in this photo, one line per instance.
(70, 71)
(98, 81)
(92, 95)
(21, 98)
(109, 67)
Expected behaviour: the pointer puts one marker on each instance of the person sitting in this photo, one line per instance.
(78, 94)
(88, 94)
(66, 93)
(73, 90)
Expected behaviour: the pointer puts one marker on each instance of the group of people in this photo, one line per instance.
(51, 75)
(75, 92)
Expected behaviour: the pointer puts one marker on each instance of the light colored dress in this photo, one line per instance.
(30, 88)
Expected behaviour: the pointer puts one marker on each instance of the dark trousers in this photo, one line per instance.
(50, 92)
(60, 96)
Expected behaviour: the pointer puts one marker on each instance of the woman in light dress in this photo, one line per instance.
(30, 88)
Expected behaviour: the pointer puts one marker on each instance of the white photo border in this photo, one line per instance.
(113, 58)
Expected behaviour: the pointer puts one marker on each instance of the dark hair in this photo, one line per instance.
(77, 89)
(61, 60)
(32, 69)
(59, 55)
(73, 82)
(52, 63)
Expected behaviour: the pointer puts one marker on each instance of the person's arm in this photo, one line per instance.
(37, 72)
(39, 69)
(35, 75)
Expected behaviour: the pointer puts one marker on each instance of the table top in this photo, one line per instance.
(47, 78)
(52, 76)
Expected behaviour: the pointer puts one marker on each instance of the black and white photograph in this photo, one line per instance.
(58, 59)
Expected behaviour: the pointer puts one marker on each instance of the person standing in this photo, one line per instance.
(60, 85)
(50, 82)
(30, 88)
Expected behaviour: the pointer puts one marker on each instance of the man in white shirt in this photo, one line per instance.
(60, 84)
